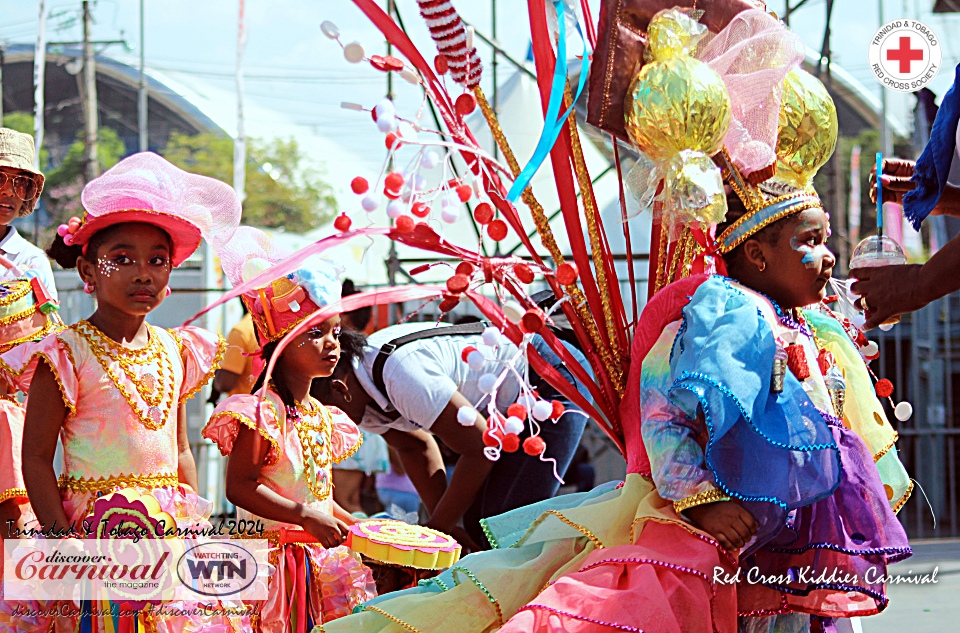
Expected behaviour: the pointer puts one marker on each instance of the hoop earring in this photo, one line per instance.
(347, 396)
(763, 266)
(168, 291)
(88, 288)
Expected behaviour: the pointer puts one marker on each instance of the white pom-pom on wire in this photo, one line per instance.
(395, 209)
(353, 52)
(903, 411)
(476, 360)
(513, 425)
(491, 336)
(369, 204)
(330, 29)
(467, 416)
(542, 410)
(487, 383)
(387, 124)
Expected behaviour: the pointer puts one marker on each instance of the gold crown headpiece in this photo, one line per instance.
(806, 139)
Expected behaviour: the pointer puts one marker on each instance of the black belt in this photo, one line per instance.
(467, 329)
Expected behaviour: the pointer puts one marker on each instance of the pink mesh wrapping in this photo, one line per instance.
(247, 243)
(147, 182)
(753, 54)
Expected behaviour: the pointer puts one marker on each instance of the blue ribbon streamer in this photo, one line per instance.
(552, 125)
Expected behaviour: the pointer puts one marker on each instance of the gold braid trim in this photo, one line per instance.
(49, 328)
(662, 264)
(903, 499)
(886, 449)
(214, 366)
(579, 301)
(350, 453)
(699, 499)
(109, 484)
(579, 528)
(13, 493)
(596, 243)
(392, 618)
(247, 422)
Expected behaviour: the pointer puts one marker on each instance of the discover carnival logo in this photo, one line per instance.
(905, 55)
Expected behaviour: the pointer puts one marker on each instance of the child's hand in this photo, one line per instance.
(331, 532)
(727, 521)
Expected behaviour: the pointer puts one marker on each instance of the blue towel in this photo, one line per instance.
(933, 166)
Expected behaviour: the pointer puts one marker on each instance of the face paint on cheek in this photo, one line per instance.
(807, 259)
(106, 268)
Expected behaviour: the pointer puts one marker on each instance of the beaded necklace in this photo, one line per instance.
(314, 425)
(157, 392)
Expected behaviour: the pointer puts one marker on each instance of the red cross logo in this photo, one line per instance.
(905, 55)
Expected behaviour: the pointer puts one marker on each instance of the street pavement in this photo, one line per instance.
(931, 608)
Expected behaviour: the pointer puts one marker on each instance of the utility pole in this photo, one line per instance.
(92, 169)
(142, 92)
(1, 84)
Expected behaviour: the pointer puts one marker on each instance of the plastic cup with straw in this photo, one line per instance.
(877, 250)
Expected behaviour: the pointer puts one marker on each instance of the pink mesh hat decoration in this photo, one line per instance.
(147, 188)
(281, 304)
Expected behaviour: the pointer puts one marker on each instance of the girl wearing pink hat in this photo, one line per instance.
(112, 387)
(282, 447)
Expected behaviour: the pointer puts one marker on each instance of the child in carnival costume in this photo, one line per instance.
(762, 475)
(282, 443)
(112, 387)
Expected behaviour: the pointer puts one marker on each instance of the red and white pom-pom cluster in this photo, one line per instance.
(450, 34)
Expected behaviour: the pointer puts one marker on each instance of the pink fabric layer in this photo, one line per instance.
(663, 583)
(664, 308)
(338, 583)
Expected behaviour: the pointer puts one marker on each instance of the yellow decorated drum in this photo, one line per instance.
(399, 543)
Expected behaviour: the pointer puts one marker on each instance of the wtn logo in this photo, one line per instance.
(225, 569)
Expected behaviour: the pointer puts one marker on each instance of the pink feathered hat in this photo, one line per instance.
(147, 188)
(279, 306)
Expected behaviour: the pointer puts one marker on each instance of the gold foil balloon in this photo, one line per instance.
(808, 129)
(678, 113)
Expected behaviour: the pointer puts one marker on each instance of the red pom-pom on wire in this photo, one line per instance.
(511, 442)
(359, 185)
(884, 388)
(483, 214)
(405, 223)
(523, 273)
(534, 446)
(342, 223)
(497, 230)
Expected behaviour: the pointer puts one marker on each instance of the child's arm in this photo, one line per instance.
(186, 466)
(340, 514)
(245, 491)
(679, 471)
(45, 414)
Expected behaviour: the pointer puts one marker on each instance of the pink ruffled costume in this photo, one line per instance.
(122, 433)
(303, 447)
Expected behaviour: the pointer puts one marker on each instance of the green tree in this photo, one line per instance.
(282, 190)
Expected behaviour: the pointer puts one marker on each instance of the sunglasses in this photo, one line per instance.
(24, 187)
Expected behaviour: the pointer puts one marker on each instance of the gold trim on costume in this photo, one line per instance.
(214, 366)
(161, 397)
(108, 484)
(250, 424)
(699, 499)
(904, 498)
(13, 493)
